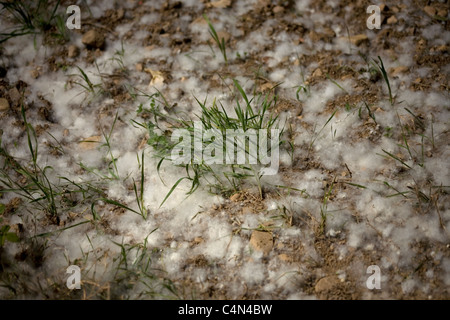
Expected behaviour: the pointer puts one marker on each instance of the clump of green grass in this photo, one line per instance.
(379, 64)
(223, 179)
(33, 17)
(38, 188)
(112, 166)
(134, 265)
(324, 208)
(31, 182)
(5, 234)
(219, 41)
(139, 194)
(408, 136)
(90, 88)
(118, 57)
(303, 88)
(370, 113)
(316, 136)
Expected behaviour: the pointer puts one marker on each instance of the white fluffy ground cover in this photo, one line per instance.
(191, 242)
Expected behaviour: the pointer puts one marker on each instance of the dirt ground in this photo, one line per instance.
(326, 275)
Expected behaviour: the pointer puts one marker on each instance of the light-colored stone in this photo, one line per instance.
(90, 143)
(72, 51)
(442, 12)
(14, 96)
(431, 11)
(278, 9)
(220, 4)
(317, 73)
(326, 284)
(358, 39)
(266, 86)
(443, 48)
(93, 39)
(383, 7)
(139, 67)
(261, 241)
(392, 20)
(224, 35)
(120, 13)
(4, 104)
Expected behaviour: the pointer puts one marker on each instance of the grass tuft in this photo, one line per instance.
(222, 179)
(33, 17)
(219, 41)
(383, 71)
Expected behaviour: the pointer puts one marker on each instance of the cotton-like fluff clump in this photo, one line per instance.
(439, 169)
(74, 242)
(253, 272)
(311, 182)
(67, 104)
(31, 54)
(191, 62)
(242, 7)
(290, 233)
(337, 219)
(284, 277)
(250, 222)
(173, 261)
(256, 39)
(159, 54)
(408, 285)
(318, 99)
(150, 18)
(193, 4)
(124, 28)
(435, 31)
(127, 164)
(84, 125)
(302, 6)
(218, 237)
(234, 250)
(364, 160)
(437, 99)
(200, 29)
(191, 87)
(281, 51)
(278, 75)
(359, 234)
(134, 229)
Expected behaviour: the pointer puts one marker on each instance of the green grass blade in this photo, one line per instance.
(172, 189)
(396, 158)
(385, 77)
(241, 91)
